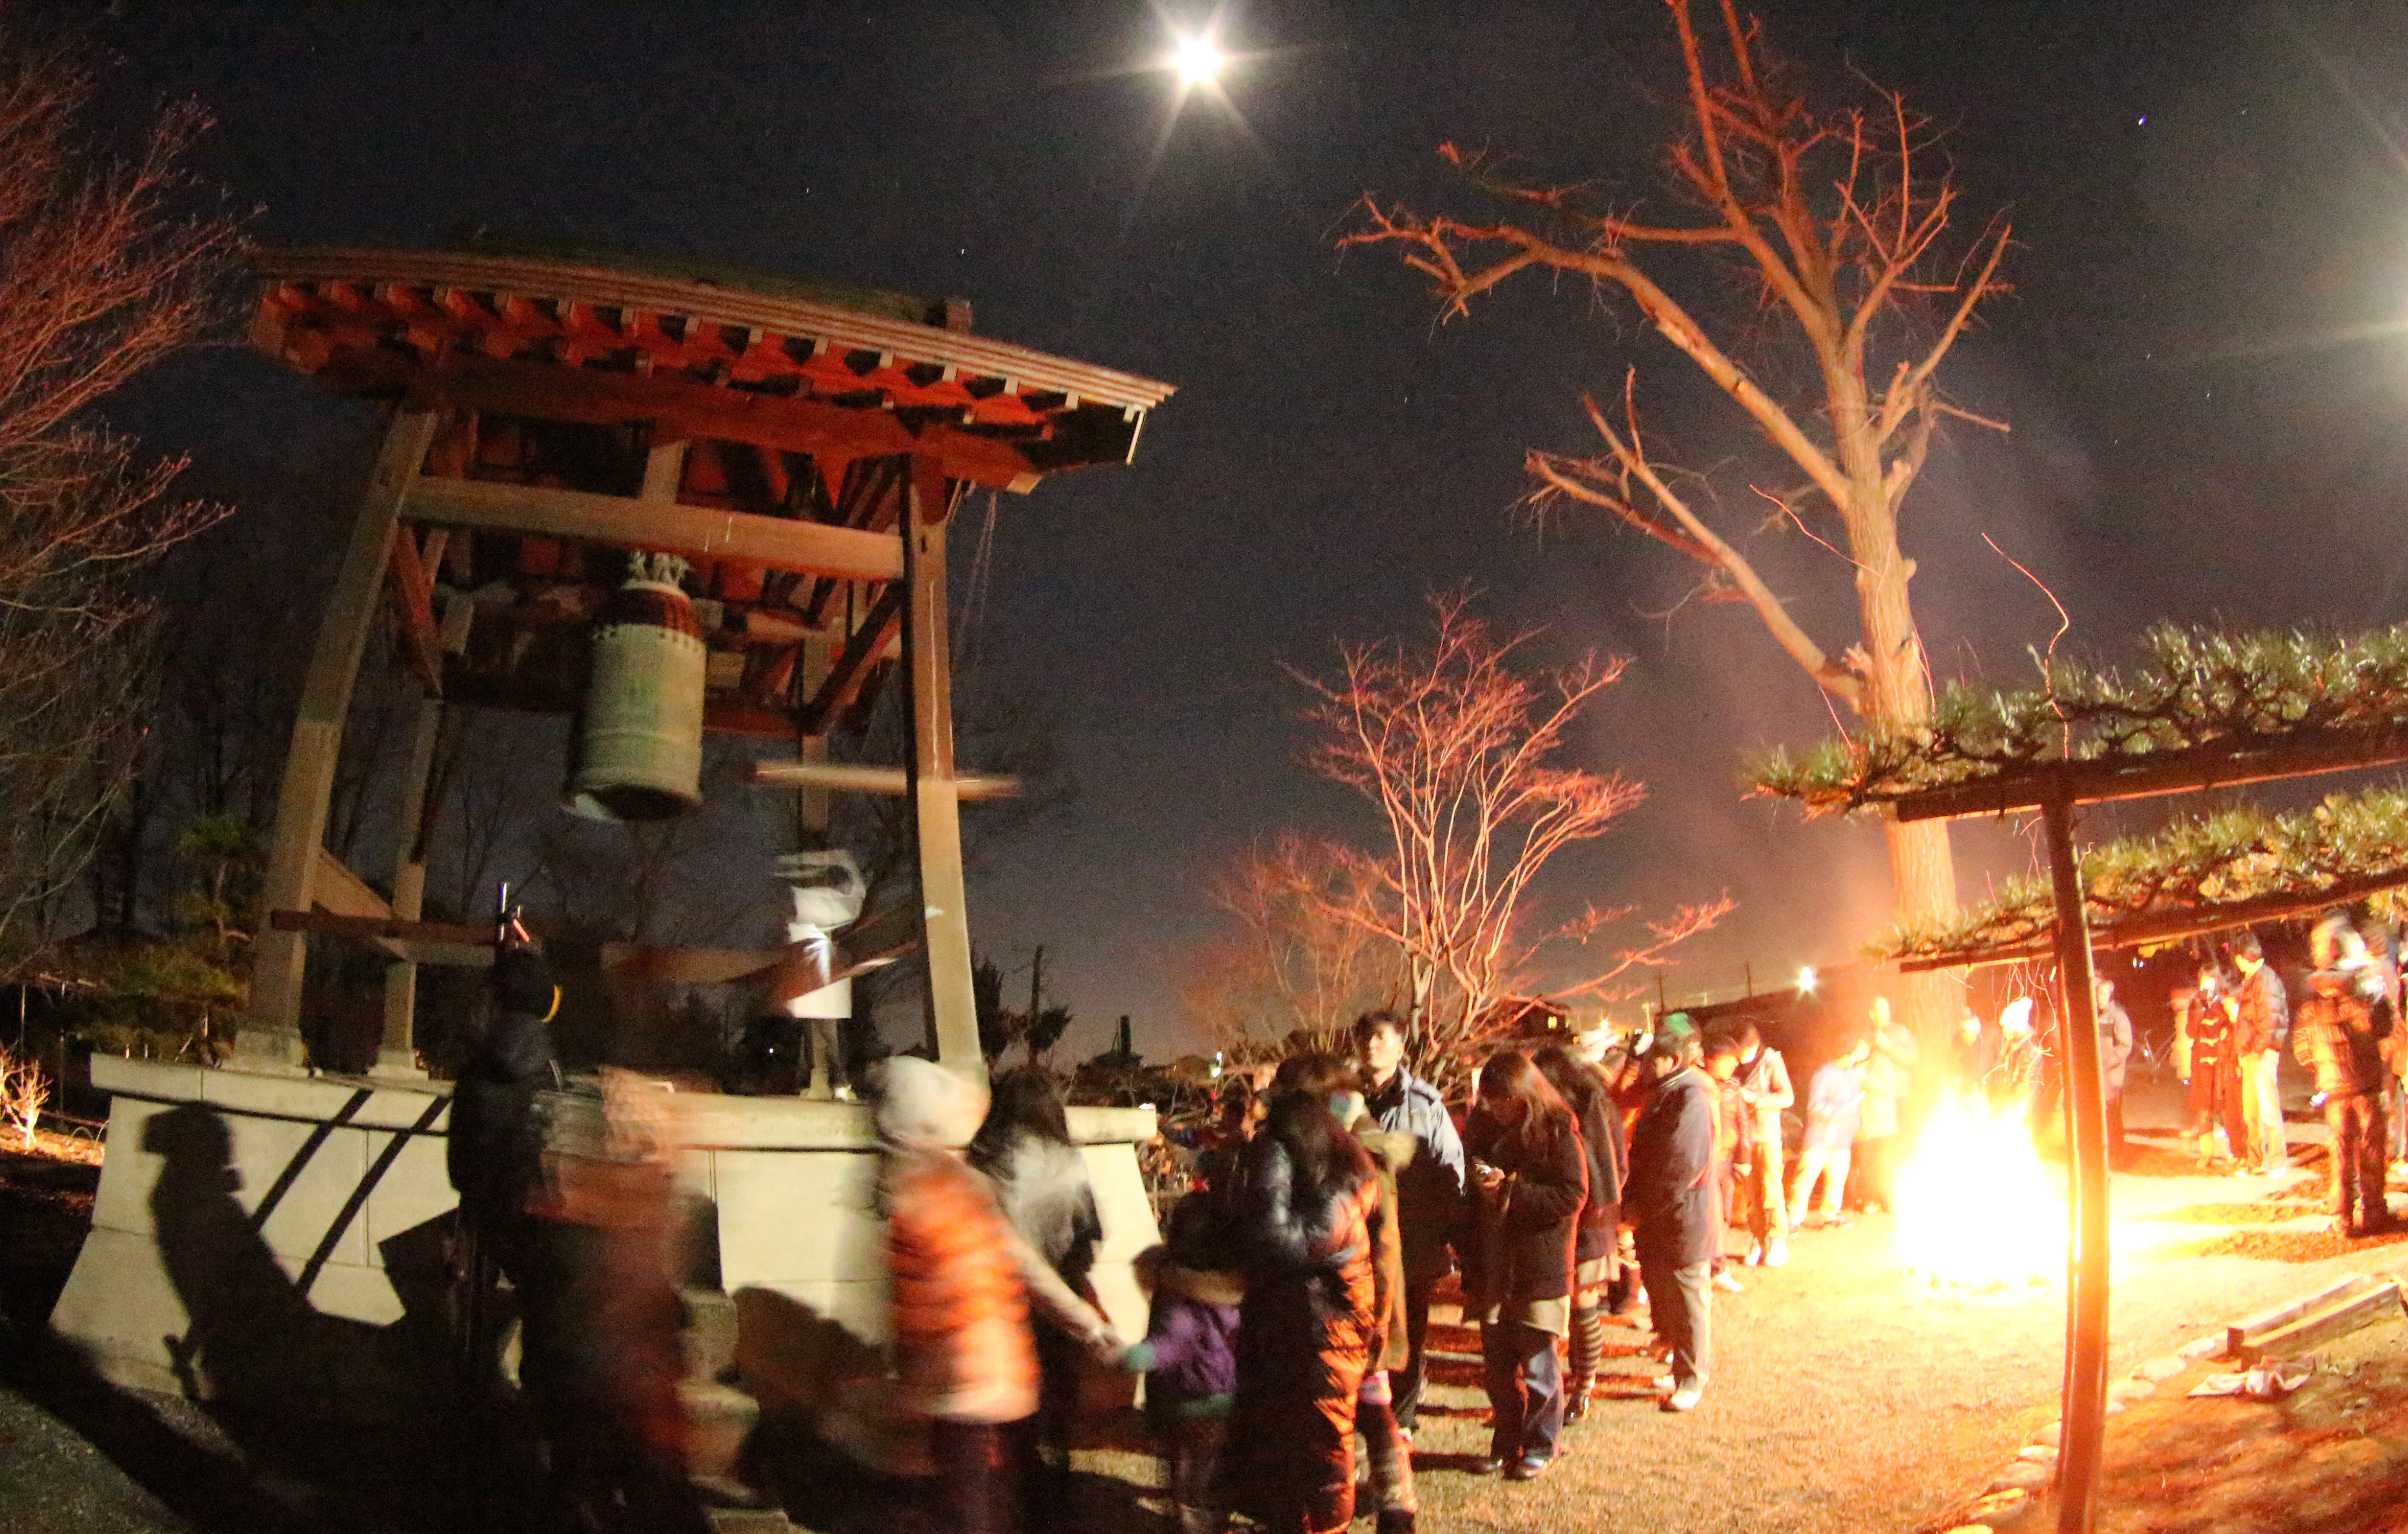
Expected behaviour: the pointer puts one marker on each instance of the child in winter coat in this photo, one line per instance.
(1189, 1357)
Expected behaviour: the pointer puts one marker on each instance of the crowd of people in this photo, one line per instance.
(1286, 1354)
(1287, 1343)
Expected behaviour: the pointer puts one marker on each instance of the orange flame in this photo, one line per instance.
(1976, 1206)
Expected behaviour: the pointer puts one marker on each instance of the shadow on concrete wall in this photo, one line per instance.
(352, 1425)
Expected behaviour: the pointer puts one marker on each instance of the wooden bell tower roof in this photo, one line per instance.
(784, 367)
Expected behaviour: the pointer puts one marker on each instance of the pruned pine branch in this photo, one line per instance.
(2194, 865)
(2197, 688)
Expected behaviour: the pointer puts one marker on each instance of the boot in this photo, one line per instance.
(1396, 1521)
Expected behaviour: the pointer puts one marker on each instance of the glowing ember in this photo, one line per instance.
(1975, 1204)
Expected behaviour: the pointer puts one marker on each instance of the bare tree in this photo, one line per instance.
(1839, 219)
(1451, 746)
(102, 274)
(1308, 957)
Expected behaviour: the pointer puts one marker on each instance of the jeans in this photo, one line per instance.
(1681, 1302)
(975, 1489)
(1813, 1163)
(1405, 1384)
(1526, 1390)
(2261, 1101)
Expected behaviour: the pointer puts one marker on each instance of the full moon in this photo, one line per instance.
(1197, 61)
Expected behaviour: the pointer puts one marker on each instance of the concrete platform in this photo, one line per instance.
(297, 1224)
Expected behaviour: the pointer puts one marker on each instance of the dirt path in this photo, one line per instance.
(1850, 1395)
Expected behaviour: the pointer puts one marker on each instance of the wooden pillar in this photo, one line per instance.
(935, 795)
(271, 1027)
(398, 1055)
(2084, 1404)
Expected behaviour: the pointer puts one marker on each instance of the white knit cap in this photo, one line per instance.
(925, 1107)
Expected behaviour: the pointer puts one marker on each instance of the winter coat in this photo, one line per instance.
(1672, 1197)
(2114, 1046)
(1389, 1150)
(1430, 1187)
(1889, 1075)
(1189, 1356)
(495, 1151)
(2207, 1035)
(1834, 1099)
(2264, 1018)
(1601, 1215)
(2343, 1023)
(1304, 1341)
(1044, 1190)
(1764, 1089)
(1529, 1222)
(958, 1303)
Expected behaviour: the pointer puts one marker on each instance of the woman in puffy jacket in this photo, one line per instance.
(1300, 1214)
(1584, 1089)
(1533, 1178)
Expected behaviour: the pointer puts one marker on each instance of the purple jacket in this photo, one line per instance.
(1189, 1353)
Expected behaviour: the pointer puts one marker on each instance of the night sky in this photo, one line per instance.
(2204, 361)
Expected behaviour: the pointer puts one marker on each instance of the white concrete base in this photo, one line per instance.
(356, 1170)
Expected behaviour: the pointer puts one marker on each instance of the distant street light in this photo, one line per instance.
(1806, 978)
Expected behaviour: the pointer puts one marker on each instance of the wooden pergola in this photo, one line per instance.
(2054, 788)
(801, 445)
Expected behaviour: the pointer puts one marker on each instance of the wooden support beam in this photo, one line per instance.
(271, 1026)
(858, 778)
(413, 590)
(2218, 764)
(953, 1003)
(397, 1055)
(368, 927)
(867, 645)
(779, 542)
(2083, 1405)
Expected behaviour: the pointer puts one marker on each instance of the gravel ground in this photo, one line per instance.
(1850, 1395)
(54, 1482)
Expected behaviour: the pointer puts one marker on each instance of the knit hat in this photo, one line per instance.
(923, 1107)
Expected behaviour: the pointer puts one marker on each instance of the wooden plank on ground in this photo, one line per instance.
(2343, 1316)
(2250, 1329)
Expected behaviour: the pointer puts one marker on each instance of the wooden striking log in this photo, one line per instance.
(856, 778)
(2321, 1325)
(334, 926)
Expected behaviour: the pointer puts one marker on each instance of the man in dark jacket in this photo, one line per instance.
(1671, 1199)
(1430, 1187)
(2343, 1019)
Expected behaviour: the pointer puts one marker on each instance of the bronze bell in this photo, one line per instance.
(639, 740)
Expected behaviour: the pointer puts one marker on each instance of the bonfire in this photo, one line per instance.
(1977, 1208)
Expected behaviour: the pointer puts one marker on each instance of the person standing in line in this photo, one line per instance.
(1386, 1453)
(961, 1285)
(1598, 1236)
(2114, 1060)
(1721, 1066)
(1765, 1094)
(1834, 1098)
(1671, 1199)
(1039, 1176)
(1189, 1356)
(2207, 1028)
(2260, 1014)
(1892, 1055)
(1302, 1210)
(1531, 1176)
(2344, 1021)
(1429, 1189)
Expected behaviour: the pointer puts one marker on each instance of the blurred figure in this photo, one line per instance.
(963, 1281)
(2260, 1012)
(1892, 1055)
(1596, 1240)
(1387, 1451)
(1721, 1066)
(1834, 1099)
(1300, 1211)
(2114, 1060)
(2344, 1021)
(1977, 1044)
(1671, 1199)
(1765, 1094)
(1430, 1187)
(1189, 1356)
(2206, 1021)
(1039, 1176)
(1532, 1178)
